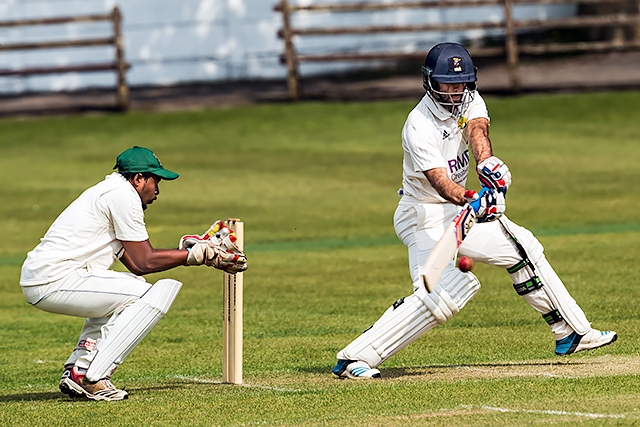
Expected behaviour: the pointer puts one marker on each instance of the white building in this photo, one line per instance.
(177, 41)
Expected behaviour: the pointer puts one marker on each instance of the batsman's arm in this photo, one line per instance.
(448, 189)
(478, 137)
(141, 258)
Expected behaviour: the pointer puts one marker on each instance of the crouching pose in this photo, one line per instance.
(450, 120)
(68, 272)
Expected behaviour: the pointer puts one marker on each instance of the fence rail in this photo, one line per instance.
(508, 27)
(118, 65)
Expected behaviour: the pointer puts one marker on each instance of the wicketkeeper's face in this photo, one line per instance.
(148, 190)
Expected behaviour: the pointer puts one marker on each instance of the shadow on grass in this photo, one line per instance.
(421, 371)
(56, 395)
(36, 397)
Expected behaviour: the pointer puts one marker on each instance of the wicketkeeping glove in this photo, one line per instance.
(488, 204)
(212, 255)
(189, 240)
(221, 250)
(231, 259)
(200, 253)
(493, 173)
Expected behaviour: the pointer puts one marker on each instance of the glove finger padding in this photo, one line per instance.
(231, 258)
(226, 260)
(494, 173)
(199, 253)
(188, 240)
(489, 206)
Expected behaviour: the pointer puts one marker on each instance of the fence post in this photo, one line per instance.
(293, 79)
(636, 29)
(511, 46)
(122, 89)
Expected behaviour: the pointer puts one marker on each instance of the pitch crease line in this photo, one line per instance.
(547, 412)
(263, 387)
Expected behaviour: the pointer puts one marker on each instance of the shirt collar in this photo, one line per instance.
(436, 109)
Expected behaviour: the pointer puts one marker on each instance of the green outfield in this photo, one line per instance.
(316, 186)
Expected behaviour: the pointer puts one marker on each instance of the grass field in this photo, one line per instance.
(316, 186)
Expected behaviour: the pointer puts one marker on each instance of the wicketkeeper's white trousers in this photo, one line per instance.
(96, 295)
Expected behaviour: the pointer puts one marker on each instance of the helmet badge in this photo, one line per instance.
(456, 64)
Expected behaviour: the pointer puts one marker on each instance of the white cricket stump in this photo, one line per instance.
(232, 315)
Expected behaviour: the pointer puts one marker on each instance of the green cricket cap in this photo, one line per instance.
(140, 160)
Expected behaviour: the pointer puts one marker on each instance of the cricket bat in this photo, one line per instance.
(445, 250)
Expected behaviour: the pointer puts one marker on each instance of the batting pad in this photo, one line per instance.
(553, 294)
(131, 326)
(561, 299)
(409, 318)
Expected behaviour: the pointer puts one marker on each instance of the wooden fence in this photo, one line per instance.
(118, 64)
(615, 15)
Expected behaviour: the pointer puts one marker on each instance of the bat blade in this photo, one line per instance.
(447, 247)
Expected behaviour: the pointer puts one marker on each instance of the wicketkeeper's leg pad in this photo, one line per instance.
(128, 327)
(410, 317)
(535, 280)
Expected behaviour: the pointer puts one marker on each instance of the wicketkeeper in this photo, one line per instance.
(69, 273)
(448, 125)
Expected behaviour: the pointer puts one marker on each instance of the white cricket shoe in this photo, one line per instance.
(63, 385)
(354, 369)
(99, 390)
(592, 339)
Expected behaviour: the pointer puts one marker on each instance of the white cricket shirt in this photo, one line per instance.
(88, 231)
(433, 138)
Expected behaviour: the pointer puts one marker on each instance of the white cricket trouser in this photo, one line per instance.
(96, 295)
(420, 226)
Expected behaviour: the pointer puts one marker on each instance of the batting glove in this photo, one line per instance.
(488, 204)
(493, 173)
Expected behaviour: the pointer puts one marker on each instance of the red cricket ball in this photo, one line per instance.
(465, 263)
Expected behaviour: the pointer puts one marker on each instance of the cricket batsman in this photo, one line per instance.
(448, 125)
(69, 273)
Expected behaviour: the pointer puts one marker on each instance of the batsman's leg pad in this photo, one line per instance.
(410, 317)
(130, 327)
(535, 280)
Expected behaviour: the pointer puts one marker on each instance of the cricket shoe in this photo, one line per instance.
(592, 339)
(354, 369)
(94, 390)
(63, 385)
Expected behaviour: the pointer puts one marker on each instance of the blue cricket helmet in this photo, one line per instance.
(450, 63)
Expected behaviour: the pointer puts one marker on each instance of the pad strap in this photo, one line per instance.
(552, 317)
(519, 266)
(528, 286)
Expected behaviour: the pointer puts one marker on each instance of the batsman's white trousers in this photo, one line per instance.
(421, 225)
(99, 296)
